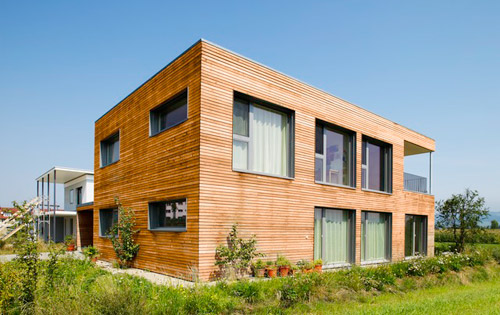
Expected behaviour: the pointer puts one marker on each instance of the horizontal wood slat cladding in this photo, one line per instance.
(280, 212)
(194, 160)
(161, 167)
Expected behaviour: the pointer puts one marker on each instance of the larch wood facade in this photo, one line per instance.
(193, 160)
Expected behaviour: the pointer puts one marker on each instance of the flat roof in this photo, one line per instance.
(258, 63)
(63, 174)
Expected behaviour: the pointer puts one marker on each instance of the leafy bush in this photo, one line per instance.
(90, 252)
(122, 236)
(234, 259)
(282, 261)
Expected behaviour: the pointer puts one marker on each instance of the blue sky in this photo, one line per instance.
(432, 66)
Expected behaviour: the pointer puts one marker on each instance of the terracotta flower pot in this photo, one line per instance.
(93, 259)
(318, 268)
(308, 270)
(284, 270)
(260, 273)
(70, 247)
(271, 272)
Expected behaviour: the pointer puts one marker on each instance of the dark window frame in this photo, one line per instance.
(253, 101)
(156, 113)
(113, 221)
(352, 235)
(320, 126)
(386, 165)
(166, 229)
(424, 234)
(113, 139)
(79, 195)
(388, 234)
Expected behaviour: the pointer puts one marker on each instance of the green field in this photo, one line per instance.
(475, 298)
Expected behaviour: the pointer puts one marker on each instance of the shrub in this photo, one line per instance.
(122, 236)
(90, 252)
(249, 290)
(234, 259)
(481, 237)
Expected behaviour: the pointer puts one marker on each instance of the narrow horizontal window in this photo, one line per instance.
(261, 139)
(110, 149)
(335, 158)
(169, 114)
(168, 215)
(376, 168)
(107, 219)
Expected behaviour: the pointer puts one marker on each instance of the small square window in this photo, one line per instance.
(169, 114)
(107, 219)
(110, 149)
(168, 215)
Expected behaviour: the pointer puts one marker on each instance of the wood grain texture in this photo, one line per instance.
(194, 160)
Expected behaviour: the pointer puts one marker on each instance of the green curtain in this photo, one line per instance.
(317, 233)
(336, 237)
(374, 242)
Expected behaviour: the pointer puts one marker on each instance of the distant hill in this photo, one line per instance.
(492, 216)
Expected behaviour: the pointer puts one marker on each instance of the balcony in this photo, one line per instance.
(417, 169)
(415, 183)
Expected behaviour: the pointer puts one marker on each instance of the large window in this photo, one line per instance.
(334, 236)
(107, 218)
(376, 169)
(375, 236)
(168, 215)
(262, 138)
(169, 114)
(415, 235)
(334, 161)
(110, 149)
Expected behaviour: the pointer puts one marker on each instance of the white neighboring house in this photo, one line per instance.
(54, 223)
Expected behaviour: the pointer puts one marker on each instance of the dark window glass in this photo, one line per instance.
(240, 118)
(336, 165)
(169, 114)
(415, 235)
(168, 215)
(376, 169)
(110, 150)
(79, 195)
(107, 218)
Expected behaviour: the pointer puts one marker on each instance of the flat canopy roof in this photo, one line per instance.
(412, 149)
(63, 174)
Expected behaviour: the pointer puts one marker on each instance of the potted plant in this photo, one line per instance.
(259, 268)
(305, 266)
(271, 269)
(318, 265)
(91, 253)
(294, 269)
(283, 264)
(69, 240)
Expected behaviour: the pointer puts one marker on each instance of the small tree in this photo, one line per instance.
(462, 213)
(235, 258)
(122, 236)
(494, 224)
(27, 252)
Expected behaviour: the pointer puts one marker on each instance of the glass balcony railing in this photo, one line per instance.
(415, 183)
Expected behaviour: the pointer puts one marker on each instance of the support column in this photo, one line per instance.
(54, 229)
(430, 173)
(48, 205)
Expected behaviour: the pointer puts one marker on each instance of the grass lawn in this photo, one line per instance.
(475, 298)
(484, 246)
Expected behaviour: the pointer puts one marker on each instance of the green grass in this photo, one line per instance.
(481, 246)
(475, 298)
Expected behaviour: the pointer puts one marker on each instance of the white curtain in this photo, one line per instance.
(269, 152)
(374, 241)
(336, 237)
(240, 155)
(318, 217)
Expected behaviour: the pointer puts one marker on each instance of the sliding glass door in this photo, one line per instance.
(334, 236)
(415, 235)
(375, 236)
